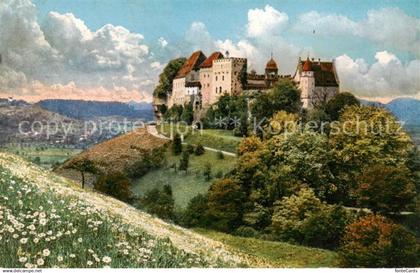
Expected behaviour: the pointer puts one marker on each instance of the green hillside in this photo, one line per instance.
(48, 221)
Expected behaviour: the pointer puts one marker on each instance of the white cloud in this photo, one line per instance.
(388, 27)
(265, 22)
(162, 42)
(386, 77)
(64, 50)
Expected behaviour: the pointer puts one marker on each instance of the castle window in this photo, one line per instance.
(220, 89)
(216, 78)
(223, 78)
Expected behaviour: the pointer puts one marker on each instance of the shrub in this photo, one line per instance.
(339, 102)
(115, 184)
(177, 145)
(219, 174)
(195, 214)
(184, 162)
(207, 171)
(190, 149)
(249, 144)
(245, 231)
(290, 213)
(149, 160)
(159, 202)
(225, 201)
(325, 228)
(374, 241)
(385, 188)
(220, 155)
(199, 150)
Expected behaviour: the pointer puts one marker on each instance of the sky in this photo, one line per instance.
(115, 49)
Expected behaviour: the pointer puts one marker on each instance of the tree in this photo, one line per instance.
(199, 150)
(225, 200)
(282, 123)
(115, 184)
(374, 241)
(284, 96)
(220, 155)
(337, 104)
(190, 148)
(308, 157)
(385, 188)
(187, 113)
(84, 166)
(290, 213)
(177, 145)
(325, 227)
(184, 161)
(195, 214)
(228, 109)
(365, 136)
(167, 76)
(159, 202)
(249, 144)
(207, 171)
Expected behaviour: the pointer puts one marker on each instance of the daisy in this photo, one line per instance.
(23, 259)
(46, 252)
(23, 241)
(106, 259)
(40, 261)
(60, 258)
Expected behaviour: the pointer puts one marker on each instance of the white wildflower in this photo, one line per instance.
(40, 261)
(23, 241)
(89, 263)
(23, 259)
(60, 258)
(46, 252)
(106, 259)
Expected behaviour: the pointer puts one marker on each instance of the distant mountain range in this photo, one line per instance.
(80, 109)
(405, 109)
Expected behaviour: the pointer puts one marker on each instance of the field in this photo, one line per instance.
(213, 138)
(185, 185)
(42, 155)
(278, 254)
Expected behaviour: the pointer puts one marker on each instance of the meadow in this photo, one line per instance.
(42, 155)
(185, 185)
(39, 228)
(214, 138)
(279, 254)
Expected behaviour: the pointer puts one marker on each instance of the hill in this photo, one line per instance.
(80, 109)
(117, 154)
(406, 109)
(16, 122)
(60, 224)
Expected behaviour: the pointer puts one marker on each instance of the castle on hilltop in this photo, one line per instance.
(202, 80)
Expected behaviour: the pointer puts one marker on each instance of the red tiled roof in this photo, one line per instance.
(271, 64)
(209, 61)
(323, 72)
(192, 63)
(307, 65)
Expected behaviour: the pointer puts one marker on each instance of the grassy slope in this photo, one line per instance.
(122, 223)
(216, 139)
(123, 228)
(184, 185)
(278, 254)
(48, 156)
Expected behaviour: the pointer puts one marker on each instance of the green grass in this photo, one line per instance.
(213, 138)
(47, 229)
(185, 185)
(48, 155)
(279, 254)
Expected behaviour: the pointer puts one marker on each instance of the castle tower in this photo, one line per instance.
(307, 82)
(271, 69)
